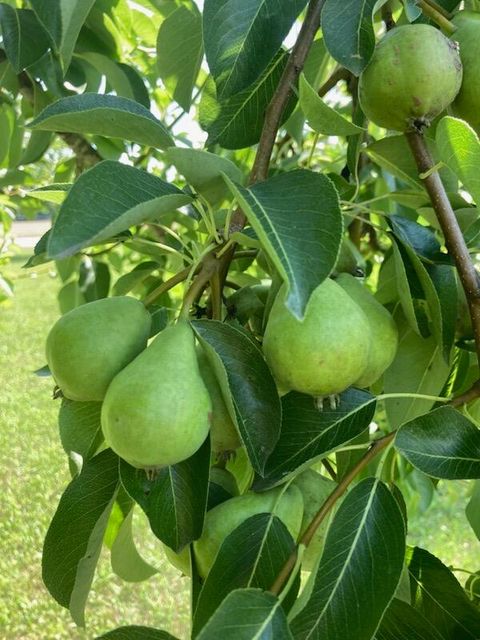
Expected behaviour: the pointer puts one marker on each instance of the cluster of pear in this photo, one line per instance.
(157, 399)
(295, 505)
(345, 338)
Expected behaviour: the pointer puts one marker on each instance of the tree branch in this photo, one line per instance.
(377, 446)
(454, 239)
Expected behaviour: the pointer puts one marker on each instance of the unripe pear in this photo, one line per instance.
(467, 103)
(384, 332)
(315, 490)
(89, 345)
(157, 410)
(414, 74)
(223, 432)
(286, 504)
(324, 353)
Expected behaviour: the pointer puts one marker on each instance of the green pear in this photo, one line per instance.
(89, 345)
(414, 74)
(157, 410)
(315, 490)
(223, 432)
(324, 353)
(467, 103)
(383, 329)
(287, 504)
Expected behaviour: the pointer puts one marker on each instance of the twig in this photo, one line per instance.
(439, 8)
(166, 286)
(329, 468)
(209, 266)
(378, 446)
(216, 296)
(434, 14)
(387, 17)
(454, 239)
(339, 74)
(471, 394)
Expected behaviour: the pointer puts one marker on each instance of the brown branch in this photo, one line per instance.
(339, 74)
(166, 286)
(471, 394)
(329, 468)
(86, 156)
(454, 239)
(377, 446)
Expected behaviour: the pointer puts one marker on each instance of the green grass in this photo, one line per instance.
(34, 471)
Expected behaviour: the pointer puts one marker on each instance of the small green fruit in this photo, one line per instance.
(414, 74)
(157, 410)
(89, 345)
(223, 433)
(287, 504)
(383, 329)
(315, 490)
(467, 103)
(324, 353)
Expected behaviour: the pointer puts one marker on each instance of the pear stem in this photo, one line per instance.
(181, 276)
(429, 10)
(377, 447)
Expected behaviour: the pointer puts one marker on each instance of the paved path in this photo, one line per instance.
(26, 233)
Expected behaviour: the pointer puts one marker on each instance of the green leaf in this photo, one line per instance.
(442, 444)
(348, 32)
(251, 556)
(94, 279)
(247, 614)
(24, 39)
(180, 52)
(127, 563)
(135, 277)
(105, 201)
(241, 38)
(439, 597)
(297, 218)
(134, 632)
(322, 431)
(459, 148)
(74, 539)
(203, 170)
(55, 193)
(418, 367)
(121, 78)
(322, 118)
(402, 622)
(175, 500)
(248, 387)
(473, 509)
(237, 122)
(360, 568)
(80, 428)
(62, 19)
(108, 116)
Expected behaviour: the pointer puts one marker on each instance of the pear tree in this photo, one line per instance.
(265, 228)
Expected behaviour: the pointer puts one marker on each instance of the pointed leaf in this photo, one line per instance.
(63, 19)
(348, 32)
(473, 509)
(249, 389)
(175, 500)
(242, 36)
(55, 193)
(309, 433)
(442, 444)
(322, 118)
(108, 116)
(459, 148)
(180, 52)
(134, 632)
(247, 614)
(24, 39)
(360, 567)
(106, 200)
(402, 622)
(251, 556)
(203, 170)
(74, 539)
(439, 597)
(80, 428)
(237, 122)
(298, 220)
(127, 563)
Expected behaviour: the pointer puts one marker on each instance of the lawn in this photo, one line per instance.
(33, 471)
